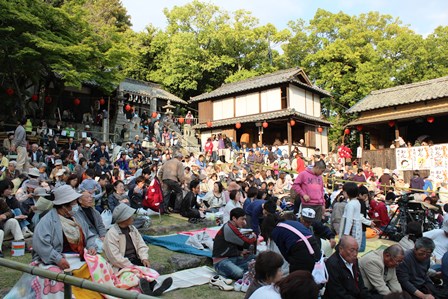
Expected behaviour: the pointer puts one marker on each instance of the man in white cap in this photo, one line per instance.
(125, 247)
(57, 232)
(321, 231)
(57, 166)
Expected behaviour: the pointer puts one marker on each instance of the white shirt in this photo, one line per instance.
(348, 265)
(441, 241)
(229, 207)
(266, 292)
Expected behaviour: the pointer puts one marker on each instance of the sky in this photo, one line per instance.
(422, 16)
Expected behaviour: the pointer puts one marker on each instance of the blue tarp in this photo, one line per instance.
(176, 243)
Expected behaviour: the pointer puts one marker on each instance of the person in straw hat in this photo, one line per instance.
(124, 247)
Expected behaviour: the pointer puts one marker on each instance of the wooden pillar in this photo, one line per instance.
(289, 132)
(361, 140)
(397, 134)
(260, 134)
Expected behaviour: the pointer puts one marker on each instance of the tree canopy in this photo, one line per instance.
(204, 46)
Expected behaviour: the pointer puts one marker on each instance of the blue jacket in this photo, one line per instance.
(255, 211)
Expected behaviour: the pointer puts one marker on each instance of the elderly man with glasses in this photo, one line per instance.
(378, 270)
(412, 273)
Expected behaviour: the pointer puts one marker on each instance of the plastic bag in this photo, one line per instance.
(320, 273)
(106, 215)
(22, 288)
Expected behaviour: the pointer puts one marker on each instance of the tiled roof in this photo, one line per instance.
(283, 76)
(404, 94)
(147, 90)
(290, 112)
(399, 116)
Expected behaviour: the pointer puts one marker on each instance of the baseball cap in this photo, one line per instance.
(308, 214)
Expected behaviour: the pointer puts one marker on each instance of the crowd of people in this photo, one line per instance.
(56, 192)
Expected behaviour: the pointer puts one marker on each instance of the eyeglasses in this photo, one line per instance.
(397, 262)
(423, 253)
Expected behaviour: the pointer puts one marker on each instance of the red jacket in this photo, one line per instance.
(154, 196)
(378, 211)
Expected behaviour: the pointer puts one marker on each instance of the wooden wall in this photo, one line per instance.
(384, 158)
(205, 111)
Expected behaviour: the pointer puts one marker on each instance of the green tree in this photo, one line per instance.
(204, 46)
(352, 55)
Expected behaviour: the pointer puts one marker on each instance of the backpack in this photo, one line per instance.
(154, 196)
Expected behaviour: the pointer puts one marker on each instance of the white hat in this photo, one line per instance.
(87, 144)
(65, 194)
(386, 171)
(41, 192)
(308, 214)
(87, 126)
(34, 172)
(60, 172)
(33, 183)
(122, 212)
(58, 162)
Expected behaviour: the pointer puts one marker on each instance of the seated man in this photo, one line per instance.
(345, 280)
(189, 206)
(124, 247)
(412, 273)
(92, 217)
(230, 247)
(378, 270)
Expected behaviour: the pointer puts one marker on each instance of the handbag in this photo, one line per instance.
(320, 273)
(106, 216)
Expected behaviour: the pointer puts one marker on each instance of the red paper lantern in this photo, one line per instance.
(48, 100)
(181, 120)
(127, 107)
(9, 91)
(102, 101)
(359, 128)
(391, 123)
(34, 97)
(292, 122)
(76, 101)
(209, 124)
(320, 129)
(154, 114)
(347, 131)
(265, 124)
(238, 125)
(430, 119)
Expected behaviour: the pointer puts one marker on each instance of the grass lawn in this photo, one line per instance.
(168, 225)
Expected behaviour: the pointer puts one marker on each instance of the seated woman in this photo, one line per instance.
(124, 247)
(6, 187)
(215, 199)
(58, 233)
(268, 270)
(8, 224)
(118, 196)
(92, 217)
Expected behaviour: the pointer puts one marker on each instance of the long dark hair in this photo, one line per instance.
(270, 221)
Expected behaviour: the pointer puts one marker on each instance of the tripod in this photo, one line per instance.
(403, 214)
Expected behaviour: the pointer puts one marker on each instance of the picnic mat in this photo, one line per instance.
(176, 242)
(188, 278)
